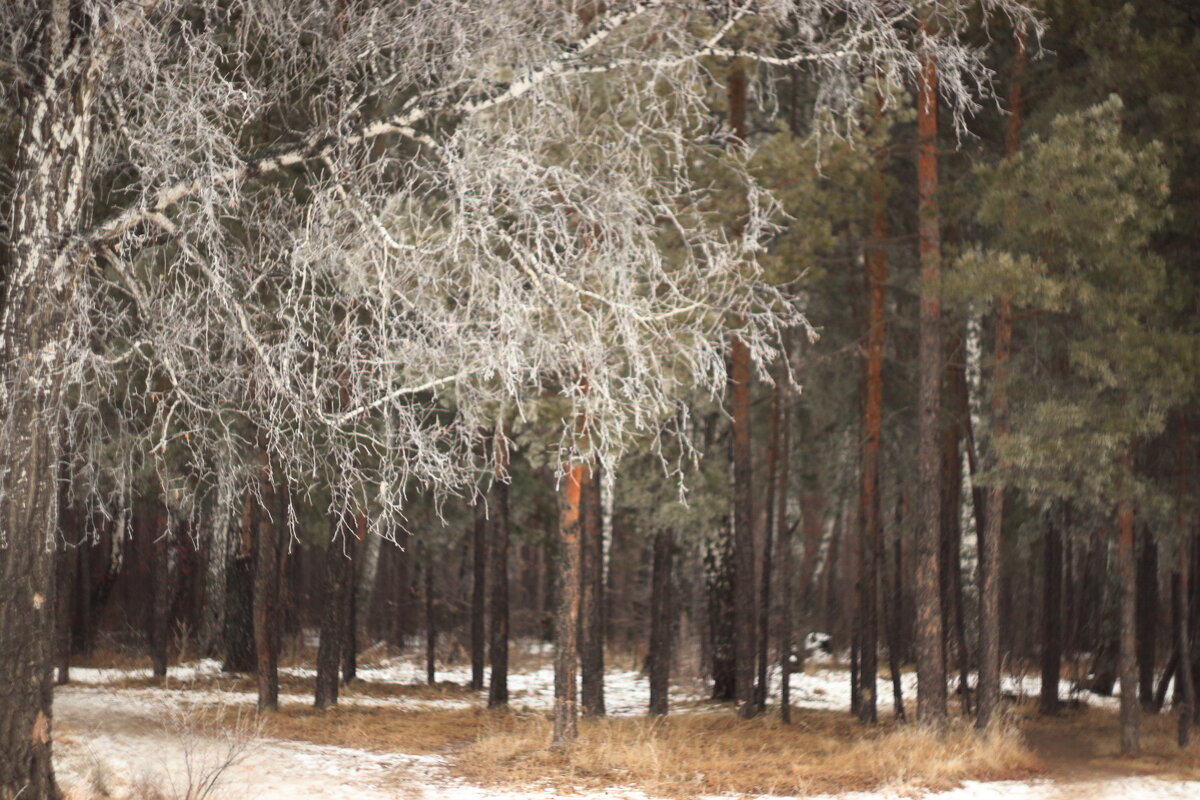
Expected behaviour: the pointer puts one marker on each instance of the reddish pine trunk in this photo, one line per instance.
(931, 675)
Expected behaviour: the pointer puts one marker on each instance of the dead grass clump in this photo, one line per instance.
(712, 753)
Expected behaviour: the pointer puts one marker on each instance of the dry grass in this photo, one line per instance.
(1087, 742)
(712, 753)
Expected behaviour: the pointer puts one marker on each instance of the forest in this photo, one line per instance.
(484, 399)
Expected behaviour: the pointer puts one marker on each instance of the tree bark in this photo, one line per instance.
(159, 532)
(1187, 688)
(1147, 617)
(719, 579)
(333, 618)
(566, 618)
(989, 544)
(239, 597)
(498, 639)
(431, 627)
(267, 589)
(591, 599)
(478, 593)
(1051, 616)
(784, 536)
(661, 615)
(764, 607)
(876, 285)
(349, 645)
(1128, 636)
(931, 676)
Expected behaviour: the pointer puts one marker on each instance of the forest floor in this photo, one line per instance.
(123, 734)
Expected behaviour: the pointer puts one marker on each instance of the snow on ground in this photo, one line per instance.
(114, 740)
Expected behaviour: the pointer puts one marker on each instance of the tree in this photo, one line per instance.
(430, 163)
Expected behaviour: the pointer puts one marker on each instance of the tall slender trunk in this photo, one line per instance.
(1183, 645)
(719, 579)
(876, 285)
(784, 534)
(1052, 615)
(764, 603)
(216, 551)
(1147, 617)
(892, 592)
(67, 559)
(431, 627)
(931, 675)
(591, 596)
(743, 476)
(333, 618)
(566, 620)
(498, 638)
(267, 589)
(661, 614)
(349, 629)
(1128, 629)
(239, 597)
(478, 592)
(159, 532)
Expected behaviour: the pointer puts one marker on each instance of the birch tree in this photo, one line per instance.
(290, 217)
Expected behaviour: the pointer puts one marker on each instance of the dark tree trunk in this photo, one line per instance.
(239, 598)
(892, 592)
(764, 603)
(566, 619)
(931, 675)
(1183, 648)
(591, 596)
(431, 628)
(1051, 615)
(267, 590)
(661, 615)
(333, 618)
(66, 563)
(743, 475)
(354, 545)
(718, 572)
(1147, 617)
(478, 593)
(784, 535)
(158, 532)
(498, 638)
(1128, 635)
(49, 169)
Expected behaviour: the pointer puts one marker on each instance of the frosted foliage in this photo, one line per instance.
(354, 233)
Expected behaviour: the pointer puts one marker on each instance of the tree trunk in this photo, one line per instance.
(784, 536)
(431, 628)
(893, 634)
(1147, 617)
(478, 593)
(764, 609)
(989, 539)
(661, 614)
(1052, 615)
(1128, 640)
(354, 545)
(931, 676)
(216, 563)
(719, 578)
(566, 618)
(267, 589)
(591, 596)
(333, 617)
(158, 531)
(49, 173)
(498, 644)
(1187, 688)
(876, 284)
(239, 598)
(66, 564)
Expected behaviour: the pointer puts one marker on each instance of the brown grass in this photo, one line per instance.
(712, 753)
